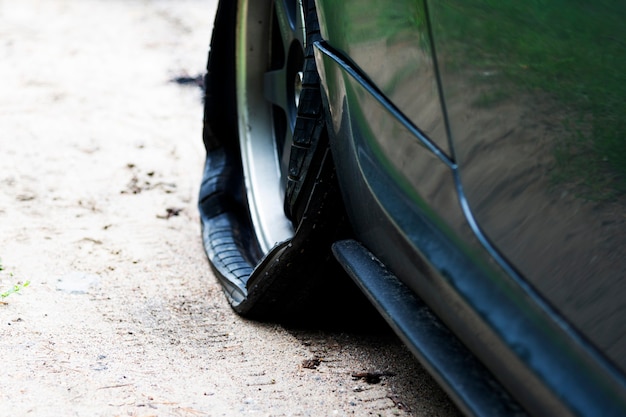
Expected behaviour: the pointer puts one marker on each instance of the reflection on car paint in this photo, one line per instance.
(499, 321)
(535, 97)
(389, 42)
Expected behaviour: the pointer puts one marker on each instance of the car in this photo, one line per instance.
(463, 162)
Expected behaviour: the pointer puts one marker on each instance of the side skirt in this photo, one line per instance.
(465, 379)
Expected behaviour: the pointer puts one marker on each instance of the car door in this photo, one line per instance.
(535, 97)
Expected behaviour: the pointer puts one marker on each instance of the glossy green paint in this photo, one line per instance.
(535, 92)
(520, 91)
(388, 41)
(572, 51)
(489, 312)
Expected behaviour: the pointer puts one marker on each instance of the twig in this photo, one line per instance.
(115, 386)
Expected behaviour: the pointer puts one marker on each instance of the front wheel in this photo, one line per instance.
(269, 202)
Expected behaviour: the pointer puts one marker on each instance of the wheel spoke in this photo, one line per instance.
(279, 84)
(275, 88)
(289, 22)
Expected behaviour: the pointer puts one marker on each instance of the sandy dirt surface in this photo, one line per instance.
(101, 158)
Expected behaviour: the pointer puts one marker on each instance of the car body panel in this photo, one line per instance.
(404, 194)
(493, 316)
(389, 42)
(534, 93)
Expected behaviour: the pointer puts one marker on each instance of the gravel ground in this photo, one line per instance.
(100, 166)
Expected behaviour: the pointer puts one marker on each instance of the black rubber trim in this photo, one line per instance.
(465, 379)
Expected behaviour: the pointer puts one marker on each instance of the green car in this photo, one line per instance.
(464, 162)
